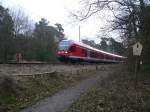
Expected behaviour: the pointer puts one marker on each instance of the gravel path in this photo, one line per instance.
(63, 99)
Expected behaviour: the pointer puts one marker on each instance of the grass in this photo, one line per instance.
(18, 93)
(117, 93)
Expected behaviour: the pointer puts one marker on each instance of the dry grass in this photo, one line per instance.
(9, 90)
(117, 93)
(20, 92)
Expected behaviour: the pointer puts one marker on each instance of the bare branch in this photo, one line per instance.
(22, 23)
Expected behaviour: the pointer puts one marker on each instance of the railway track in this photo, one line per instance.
(62, 63)
(41, 68)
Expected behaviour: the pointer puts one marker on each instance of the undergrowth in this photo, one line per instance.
(20, 92)
(117, 93)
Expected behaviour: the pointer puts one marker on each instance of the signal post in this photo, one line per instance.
(137, 50)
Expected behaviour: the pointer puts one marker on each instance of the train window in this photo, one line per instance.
(109, 57)
(84, 52)
(101, 55)
(96, 54)
(92, 54)
(63, 45)
(72, 49)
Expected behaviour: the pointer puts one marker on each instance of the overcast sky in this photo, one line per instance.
(57, 11)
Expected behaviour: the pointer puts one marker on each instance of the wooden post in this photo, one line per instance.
(137, 49)
(135, 71)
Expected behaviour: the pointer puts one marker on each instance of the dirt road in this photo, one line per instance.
(63, 99)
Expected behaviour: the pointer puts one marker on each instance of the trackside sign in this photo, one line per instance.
(137, 49)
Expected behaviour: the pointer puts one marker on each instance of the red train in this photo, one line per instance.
(70, 51)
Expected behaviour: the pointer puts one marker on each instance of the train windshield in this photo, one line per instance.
(63, 45)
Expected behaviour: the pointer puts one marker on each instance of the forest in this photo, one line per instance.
(32, 42)
(38, 41)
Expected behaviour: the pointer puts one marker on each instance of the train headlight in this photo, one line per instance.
(66, 52)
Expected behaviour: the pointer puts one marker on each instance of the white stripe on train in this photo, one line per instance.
(93, 59)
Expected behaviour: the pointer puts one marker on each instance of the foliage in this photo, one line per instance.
(6, 34)
(22, 23)
(60, 31)
(107, 44)
(104, 44)
(116, 94)
(89, 42)
(9, 89)
(38, 44)
(116, 47)
(130, 19)
(44, 34)
(27, 90)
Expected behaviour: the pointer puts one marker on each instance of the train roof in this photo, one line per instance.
(91, 48)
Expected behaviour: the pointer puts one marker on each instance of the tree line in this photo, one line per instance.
(107, 44)
(34, 42)
(37, 42)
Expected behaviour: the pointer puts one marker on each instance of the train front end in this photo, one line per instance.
(63, 53)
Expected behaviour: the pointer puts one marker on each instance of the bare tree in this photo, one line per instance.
(22, 23)
(125, 13)
(130, 19)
